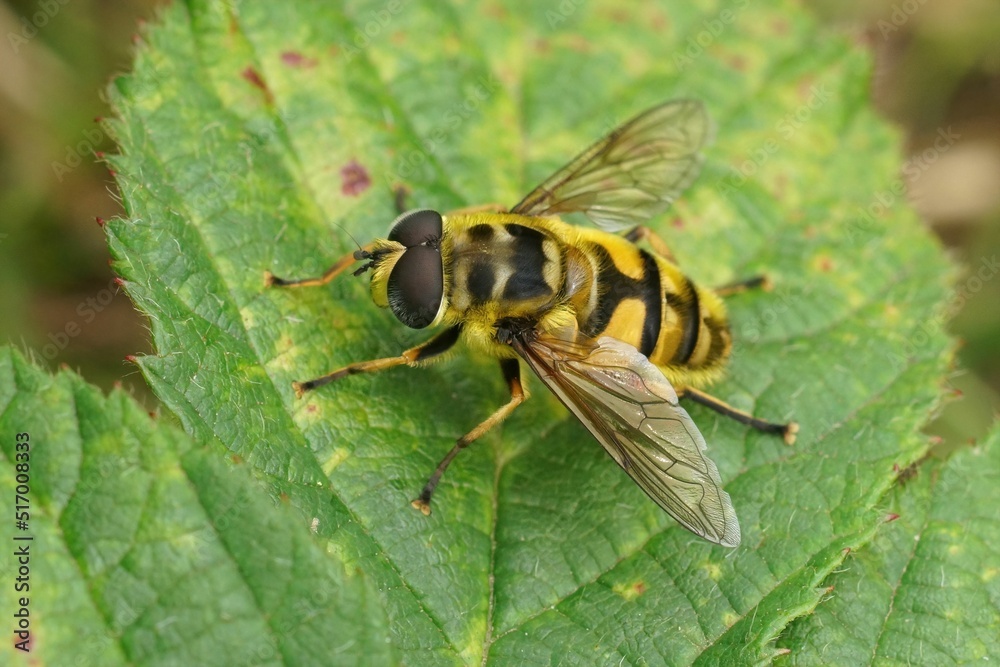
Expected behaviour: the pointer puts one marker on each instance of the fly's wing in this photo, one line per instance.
(633, 173)
(632, 409)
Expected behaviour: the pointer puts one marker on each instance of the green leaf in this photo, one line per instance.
(928, 590)
(147, 548)
(259, 135)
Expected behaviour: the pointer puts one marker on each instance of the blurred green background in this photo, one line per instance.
(937, 75)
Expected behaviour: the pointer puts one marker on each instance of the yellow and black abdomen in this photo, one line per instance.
(646, 301)
(695, 334)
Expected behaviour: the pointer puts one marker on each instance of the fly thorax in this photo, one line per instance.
(511, 266)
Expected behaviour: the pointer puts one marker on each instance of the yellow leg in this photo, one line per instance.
(786, 431)
(272, 280)
(659, 246)
(512, 373)
(754, 282)
(427, 350)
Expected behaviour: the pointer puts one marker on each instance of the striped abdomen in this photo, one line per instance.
(647, 302)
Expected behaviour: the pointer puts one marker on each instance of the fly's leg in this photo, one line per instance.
(644, 233)
(427, 350)
(399, 194)
(786, 431)
(271, 280)
(739, 286)
(512, 373)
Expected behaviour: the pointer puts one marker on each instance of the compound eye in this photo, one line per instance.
(416, 286)
(417, 228)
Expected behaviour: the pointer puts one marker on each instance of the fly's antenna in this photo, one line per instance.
(351, 236)
(359, 254)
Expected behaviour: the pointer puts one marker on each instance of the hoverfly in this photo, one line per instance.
(618, 333)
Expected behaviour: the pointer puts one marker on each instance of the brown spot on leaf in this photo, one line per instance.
(580, 44)
(806, 88)
(639, 587)
(354, 179)
(254, 77)
(737, 62)
(296, 59)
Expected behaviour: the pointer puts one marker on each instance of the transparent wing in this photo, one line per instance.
(633, 411)
(633, 173)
